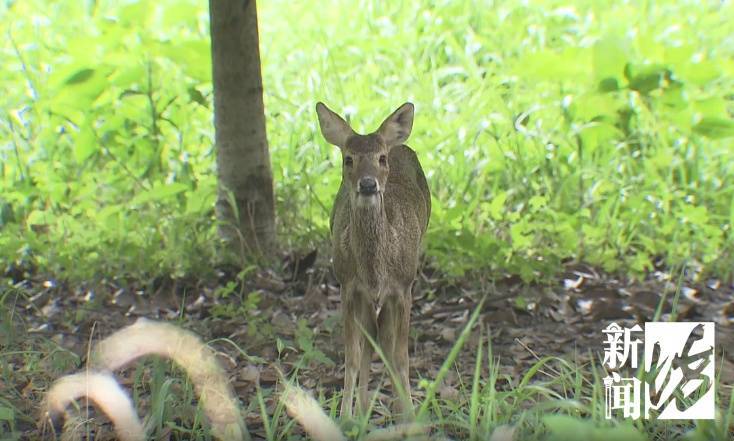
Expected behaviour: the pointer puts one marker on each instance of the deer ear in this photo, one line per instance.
(396, 128)
(333, 127)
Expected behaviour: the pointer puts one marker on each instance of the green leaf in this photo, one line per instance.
(713, 107)
(497, 206)
(646, 78)
(569, 64)
(136, 15)
(7, 414)
(127, 75)
(596, 134)
(608, 84)
(675, 98)
(537, 202)
(201, 200)
(192, 56)
(159, 193)
(38, 217)
(595, 106)
(80, 76)
(619, 433)
(567, 428)
(78, 91)
(609, 58)
(197, 97)
(85, 143)
(700, 73)
(521, 238)
(716, 128)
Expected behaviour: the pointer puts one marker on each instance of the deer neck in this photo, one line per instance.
(369, 241)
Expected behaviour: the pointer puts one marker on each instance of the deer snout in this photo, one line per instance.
(367, 185)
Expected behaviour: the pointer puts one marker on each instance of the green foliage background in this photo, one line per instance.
(592, 130)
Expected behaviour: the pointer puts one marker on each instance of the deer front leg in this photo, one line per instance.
(394, 329)
(358, 318)
(369, 326)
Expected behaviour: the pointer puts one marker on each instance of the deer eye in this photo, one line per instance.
(348, 161)
(383, 160)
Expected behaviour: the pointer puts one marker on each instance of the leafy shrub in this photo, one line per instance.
(593, 132)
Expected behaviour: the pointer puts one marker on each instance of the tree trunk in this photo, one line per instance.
(245, 203)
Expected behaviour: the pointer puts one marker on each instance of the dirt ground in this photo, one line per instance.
(296, 324)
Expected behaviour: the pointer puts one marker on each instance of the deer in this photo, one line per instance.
(379, 217)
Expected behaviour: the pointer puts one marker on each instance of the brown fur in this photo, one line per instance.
(376, 247)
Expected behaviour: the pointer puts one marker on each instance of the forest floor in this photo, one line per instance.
(289, 319)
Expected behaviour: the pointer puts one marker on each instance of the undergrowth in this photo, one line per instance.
(554, 399)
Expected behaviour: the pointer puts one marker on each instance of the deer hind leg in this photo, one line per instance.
(402, 357)
(358, 318)
(394, 329)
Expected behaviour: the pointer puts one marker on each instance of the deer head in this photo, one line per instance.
(365, 158)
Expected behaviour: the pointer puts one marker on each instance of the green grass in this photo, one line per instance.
(595, 131)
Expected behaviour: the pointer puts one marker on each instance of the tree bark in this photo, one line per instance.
(246, 220)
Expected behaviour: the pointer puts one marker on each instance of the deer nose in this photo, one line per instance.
(367, 185)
